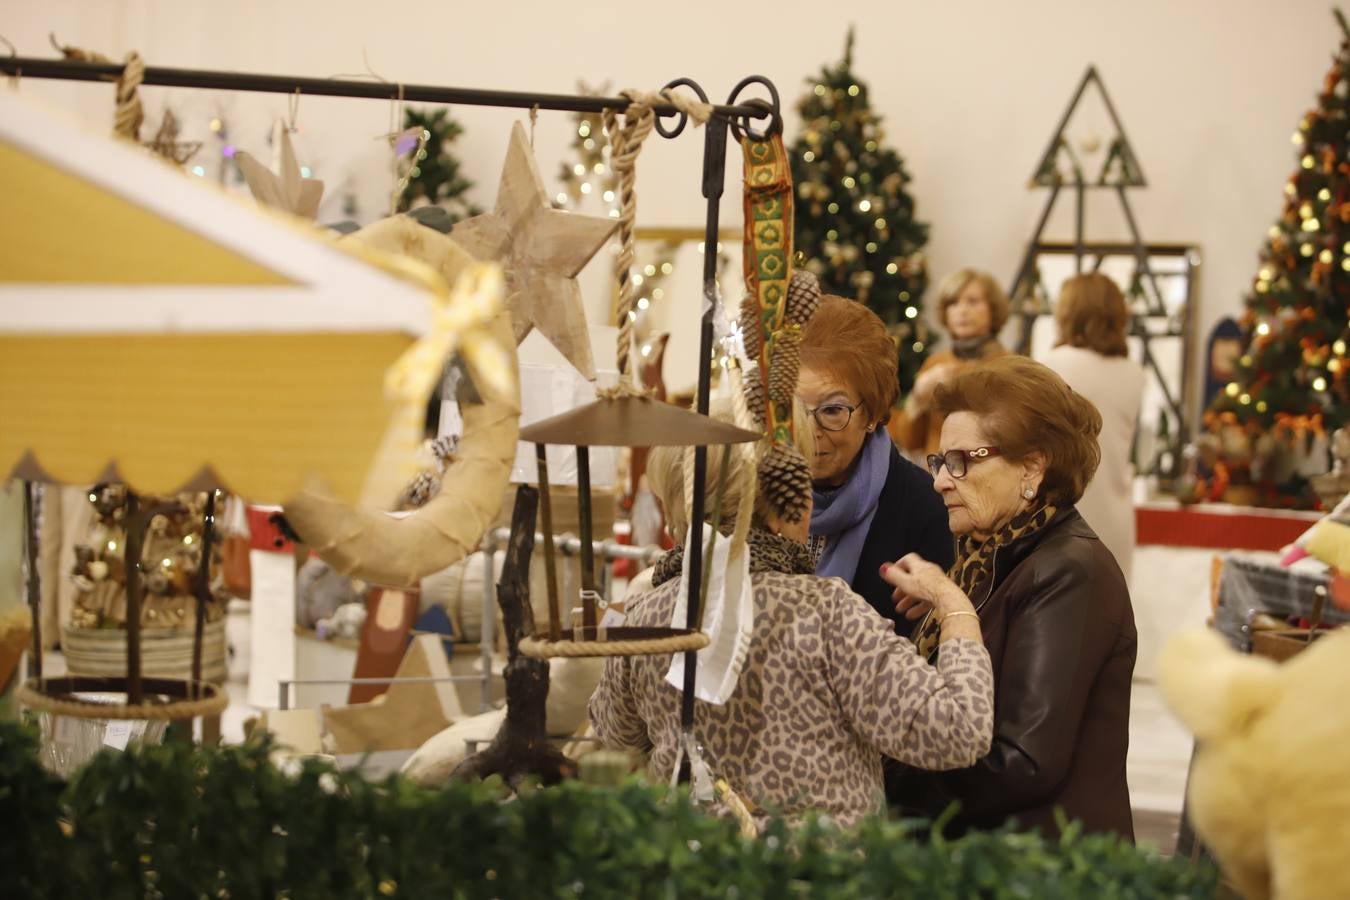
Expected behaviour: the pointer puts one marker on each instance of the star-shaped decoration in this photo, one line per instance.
(167, 144)
(288, 191)
(542, 249)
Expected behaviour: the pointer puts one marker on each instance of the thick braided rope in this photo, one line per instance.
(129, 114)
(679, 643)
(214, 702)
(625, 143)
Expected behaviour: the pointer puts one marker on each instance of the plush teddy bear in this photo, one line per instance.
(1269, 788)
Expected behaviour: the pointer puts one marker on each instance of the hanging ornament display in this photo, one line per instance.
(289, 189)
(542, 250)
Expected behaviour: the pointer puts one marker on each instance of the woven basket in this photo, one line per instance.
(1282, 644)
(165, 652)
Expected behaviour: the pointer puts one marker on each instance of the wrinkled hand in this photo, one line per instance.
(921, 586)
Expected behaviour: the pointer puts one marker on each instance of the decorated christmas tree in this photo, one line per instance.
(1290, 384)
(855, 220)
(433, 174)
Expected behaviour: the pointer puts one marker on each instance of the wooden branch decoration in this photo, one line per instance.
(521, 747)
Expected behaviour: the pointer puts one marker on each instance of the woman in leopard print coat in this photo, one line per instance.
(827, 686)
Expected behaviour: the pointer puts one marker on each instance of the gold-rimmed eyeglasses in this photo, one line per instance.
(957, 461)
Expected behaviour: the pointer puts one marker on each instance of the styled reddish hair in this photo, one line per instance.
(1024, 407)
(1091, 314)
(849, 341)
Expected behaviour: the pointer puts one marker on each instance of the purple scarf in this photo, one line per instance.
(843, 515)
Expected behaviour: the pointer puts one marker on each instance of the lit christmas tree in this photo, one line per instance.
(433, 172)
(855, 220)
(1291, 380)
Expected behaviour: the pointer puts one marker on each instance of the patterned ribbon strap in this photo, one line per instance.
(768, 259)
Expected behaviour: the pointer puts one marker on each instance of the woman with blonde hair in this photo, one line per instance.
(973, 309)
(824, 686)
(1092, 357)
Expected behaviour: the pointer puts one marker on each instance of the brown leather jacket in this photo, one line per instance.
(1060, 631)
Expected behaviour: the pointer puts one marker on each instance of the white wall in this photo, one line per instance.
(1209, 91)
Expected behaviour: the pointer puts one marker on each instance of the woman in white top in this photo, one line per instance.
(1091, 358)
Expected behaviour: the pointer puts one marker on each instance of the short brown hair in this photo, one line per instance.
(849, 341)
(1024, 407)
(955, 283)
(1091, 314)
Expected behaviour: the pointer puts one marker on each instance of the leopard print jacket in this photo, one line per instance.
(827, 689)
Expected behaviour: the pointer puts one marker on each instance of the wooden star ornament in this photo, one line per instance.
(542, 250)
(288, 190)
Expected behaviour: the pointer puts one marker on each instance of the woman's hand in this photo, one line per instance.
(927, 382)
(921, 586)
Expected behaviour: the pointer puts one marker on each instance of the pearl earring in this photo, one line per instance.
(1028, 493)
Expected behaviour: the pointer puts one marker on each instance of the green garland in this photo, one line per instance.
(181, 821)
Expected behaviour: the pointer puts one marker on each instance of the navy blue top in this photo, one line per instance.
(910, 518)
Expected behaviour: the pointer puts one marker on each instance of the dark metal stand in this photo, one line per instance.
(70, 70)
(1047, 175)
(30, 521)
(203, 586)
(1026, 279)
(588, 610)
(670, 123)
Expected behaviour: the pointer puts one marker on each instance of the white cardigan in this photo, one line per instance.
(1115, 385)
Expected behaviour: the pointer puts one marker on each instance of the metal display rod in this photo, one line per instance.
(70, 70)
(570, 545)
(730, 117)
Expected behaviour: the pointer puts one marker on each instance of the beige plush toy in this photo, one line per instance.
(1269, 789)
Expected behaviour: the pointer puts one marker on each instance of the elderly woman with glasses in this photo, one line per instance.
(1018, 446)
(871, 504)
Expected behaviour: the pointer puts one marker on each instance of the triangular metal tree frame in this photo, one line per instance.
(1121, 154)
(1047, 174)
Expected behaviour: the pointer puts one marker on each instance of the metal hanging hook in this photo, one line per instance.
(681, 118)
(741, 125)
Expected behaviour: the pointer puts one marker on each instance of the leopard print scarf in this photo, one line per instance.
(973, 571)
(769, 552)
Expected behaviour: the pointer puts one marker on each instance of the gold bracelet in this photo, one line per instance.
(959, 612)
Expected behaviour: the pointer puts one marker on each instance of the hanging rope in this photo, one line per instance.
(625, 142)
(128, 114)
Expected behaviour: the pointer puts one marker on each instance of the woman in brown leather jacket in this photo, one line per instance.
(1018, 446)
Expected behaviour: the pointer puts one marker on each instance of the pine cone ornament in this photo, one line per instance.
(803, 297)
(752, 333)
(755, 399)
(419, 491)
(785, 481)
(784, 363)
(444, 447)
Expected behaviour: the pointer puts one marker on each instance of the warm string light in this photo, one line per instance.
(590, 175)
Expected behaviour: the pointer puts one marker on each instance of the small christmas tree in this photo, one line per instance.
(1291, 380)
(855, 221)
(434, 176)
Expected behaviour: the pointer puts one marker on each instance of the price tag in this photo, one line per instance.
(613, 618)
(117, 735)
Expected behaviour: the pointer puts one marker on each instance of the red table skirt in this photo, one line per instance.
(1219, 526)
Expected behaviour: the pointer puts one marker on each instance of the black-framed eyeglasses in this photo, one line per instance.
(957, 461)
(833, 416)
